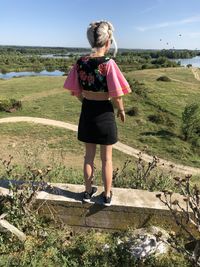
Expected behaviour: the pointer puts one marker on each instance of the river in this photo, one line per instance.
(10, 75)
(195, 61)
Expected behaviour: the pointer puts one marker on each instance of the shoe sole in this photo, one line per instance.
(89, 200)
(107, 205)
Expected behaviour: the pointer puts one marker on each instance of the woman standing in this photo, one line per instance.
(94, 79)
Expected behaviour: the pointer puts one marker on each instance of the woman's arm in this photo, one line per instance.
(80, 98)
(118, 102)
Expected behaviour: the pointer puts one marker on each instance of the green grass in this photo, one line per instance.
(137, 131)
(23, 86)
(173, 95)
(40, 145)
(63, 247)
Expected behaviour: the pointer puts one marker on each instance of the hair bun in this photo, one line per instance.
(98, 33)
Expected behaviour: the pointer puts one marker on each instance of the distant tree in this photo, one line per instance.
(160, 60)
(146, 66)
(4, 70)
(191, 122)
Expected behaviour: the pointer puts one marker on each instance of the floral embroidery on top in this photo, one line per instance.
(102, 69)
(92, 73)
(90, 79)
(83, 75)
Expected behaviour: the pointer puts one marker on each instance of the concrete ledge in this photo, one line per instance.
(130, 208)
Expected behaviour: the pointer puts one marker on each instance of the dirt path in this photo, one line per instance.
(196, 74)
(119, 146)
(42, 94)
(189, 83)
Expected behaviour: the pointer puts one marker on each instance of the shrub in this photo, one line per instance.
(4, 70)
(195, 141)
(156, 118)
(138, 87)
(188, 220)
(133, 111)
(144, 176)
(19, 205)
(9, 104)
(191, 122)
(161, 118)
(164, 79)
(146, 66)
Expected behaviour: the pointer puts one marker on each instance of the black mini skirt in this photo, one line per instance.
(97, 122)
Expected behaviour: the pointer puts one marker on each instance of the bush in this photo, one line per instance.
(195, 141)
(4, 70)
(9, 104)
(191, 122)
(133, 111)
(163, 79)
(188, 220)
(156, 118)
(161, 118)
(145, 176)
(139, 88)
(146, 66)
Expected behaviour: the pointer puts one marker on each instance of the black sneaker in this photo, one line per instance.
(107, 200)
(87, 196)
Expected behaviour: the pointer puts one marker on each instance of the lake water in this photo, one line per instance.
(53, 56)
(10, 75)
(63, 56)
(195, 61)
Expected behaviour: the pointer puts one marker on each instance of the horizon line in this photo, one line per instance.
(89, 48)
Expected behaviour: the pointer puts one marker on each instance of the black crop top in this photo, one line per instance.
(92, 73)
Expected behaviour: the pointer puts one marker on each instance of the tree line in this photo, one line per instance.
(145, 53)
(24, 58)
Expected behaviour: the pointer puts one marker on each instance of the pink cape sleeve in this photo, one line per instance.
(72, 82)
(116, 82)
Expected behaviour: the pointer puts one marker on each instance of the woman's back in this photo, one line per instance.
(97, 77)
(92, 73)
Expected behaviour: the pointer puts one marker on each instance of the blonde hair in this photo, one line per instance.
(98, 33)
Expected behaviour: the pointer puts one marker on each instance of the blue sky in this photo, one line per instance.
(154, 24)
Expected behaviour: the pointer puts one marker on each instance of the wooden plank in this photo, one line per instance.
(5, 224)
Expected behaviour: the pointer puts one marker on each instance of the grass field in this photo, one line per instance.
(45, 97)
(39, 146)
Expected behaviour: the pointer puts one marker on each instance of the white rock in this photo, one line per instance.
(144, 242)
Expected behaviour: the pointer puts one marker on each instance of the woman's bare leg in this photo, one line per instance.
(107, 168)
(90, 151)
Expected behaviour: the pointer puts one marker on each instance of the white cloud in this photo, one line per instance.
(156, 5)
(169, 23)
(148, 9)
